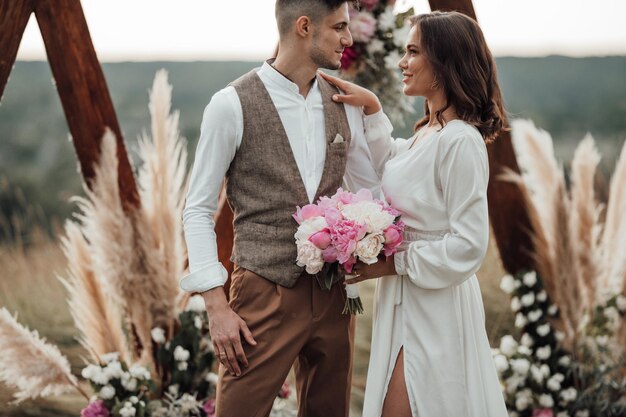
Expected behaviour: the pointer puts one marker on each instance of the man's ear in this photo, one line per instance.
(303, 26)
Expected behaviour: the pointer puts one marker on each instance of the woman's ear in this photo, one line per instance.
(303, 26)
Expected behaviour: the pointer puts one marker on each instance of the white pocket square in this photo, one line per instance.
(338, 139)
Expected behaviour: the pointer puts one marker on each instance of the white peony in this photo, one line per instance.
(515, 304)
(370, 214)
(309, 256)
(520, 366)
(181, 354)
(508, 345)
(196, 303)
(543, 330)
(543, 353)
(528, 299)
(309, 227)
(507, 284)
(530, 278)
(158, 335)
(546, 401)
(368, 248)
(501, 362)
(107, 392)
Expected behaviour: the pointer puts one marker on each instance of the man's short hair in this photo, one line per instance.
(288, 11)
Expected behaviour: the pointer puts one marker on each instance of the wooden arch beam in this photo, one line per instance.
(78, 76)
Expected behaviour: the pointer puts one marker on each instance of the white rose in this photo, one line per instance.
(196, 303)
(543, 353)
(375, 46)
(527, 340)
(501, 362)
(181, 354)
(620, 301)
(520, 366)
(534, 315)
(528, 299)
(211, 378)
(370, 214)
(158, 335)
(543, 330)
(309, 227)
(114, 370)
(507, 284)
(515, 304)
(546, 401)
(368, 248)
(542, 296)
(310, 257)
(520, 320)
(107, 392)
(530, 278)
(508, 345)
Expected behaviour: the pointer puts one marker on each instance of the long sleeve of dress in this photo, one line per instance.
(463, 175)
(382, 146)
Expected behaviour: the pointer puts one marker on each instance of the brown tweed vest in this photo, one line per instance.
(263, 184)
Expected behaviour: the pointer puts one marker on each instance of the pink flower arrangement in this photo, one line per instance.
(345, 228)
(95, 409)
(362, 27)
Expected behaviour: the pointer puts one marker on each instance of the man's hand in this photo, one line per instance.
(362, 271)
(226, 328)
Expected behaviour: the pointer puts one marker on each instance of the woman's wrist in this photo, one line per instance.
(372, 107)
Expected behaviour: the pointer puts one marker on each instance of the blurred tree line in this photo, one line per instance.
(38, 170)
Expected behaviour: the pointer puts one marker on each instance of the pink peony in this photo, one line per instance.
(393, 238)
(362, 195)
(349, 264)
(344, 237)
(543, 412)
(343, 197)
(321, 239)
(209, 407)
(362, 27)
(330, 254)
(307, 212)
(95, 409)
(285, 390)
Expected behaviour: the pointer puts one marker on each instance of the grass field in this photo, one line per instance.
(29, 286)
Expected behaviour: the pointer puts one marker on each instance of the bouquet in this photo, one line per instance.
(344, 228)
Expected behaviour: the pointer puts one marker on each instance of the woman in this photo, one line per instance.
(430, 354)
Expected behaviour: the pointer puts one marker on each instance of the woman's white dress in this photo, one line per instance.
(433, 308)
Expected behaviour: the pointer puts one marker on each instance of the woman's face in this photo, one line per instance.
(419, 79)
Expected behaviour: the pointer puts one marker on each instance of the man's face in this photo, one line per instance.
(330, 37)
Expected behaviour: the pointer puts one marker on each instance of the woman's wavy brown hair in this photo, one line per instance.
(464, 67)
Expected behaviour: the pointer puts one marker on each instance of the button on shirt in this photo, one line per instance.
(220, 137)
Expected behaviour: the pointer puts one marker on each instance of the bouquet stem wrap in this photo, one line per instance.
(353, 300)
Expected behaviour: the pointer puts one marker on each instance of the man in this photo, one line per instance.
(280, 141)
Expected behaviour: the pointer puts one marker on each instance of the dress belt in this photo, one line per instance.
(411, 235)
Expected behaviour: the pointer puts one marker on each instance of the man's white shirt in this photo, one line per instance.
(221, 133)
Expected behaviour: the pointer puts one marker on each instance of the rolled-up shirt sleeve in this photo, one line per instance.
(463, 175)
(220, 136)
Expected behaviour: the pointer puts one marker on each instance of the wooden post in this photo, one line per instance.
(507, 209)
(83, 90)
(14, 15)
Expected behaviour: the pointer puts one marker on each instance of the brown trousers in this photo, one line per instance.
(301, 326)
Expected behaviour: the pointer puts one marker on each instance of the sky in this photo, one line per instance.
(182, 30)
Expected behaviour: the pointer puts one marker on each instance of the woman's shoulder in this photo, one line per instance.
(458, 131)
